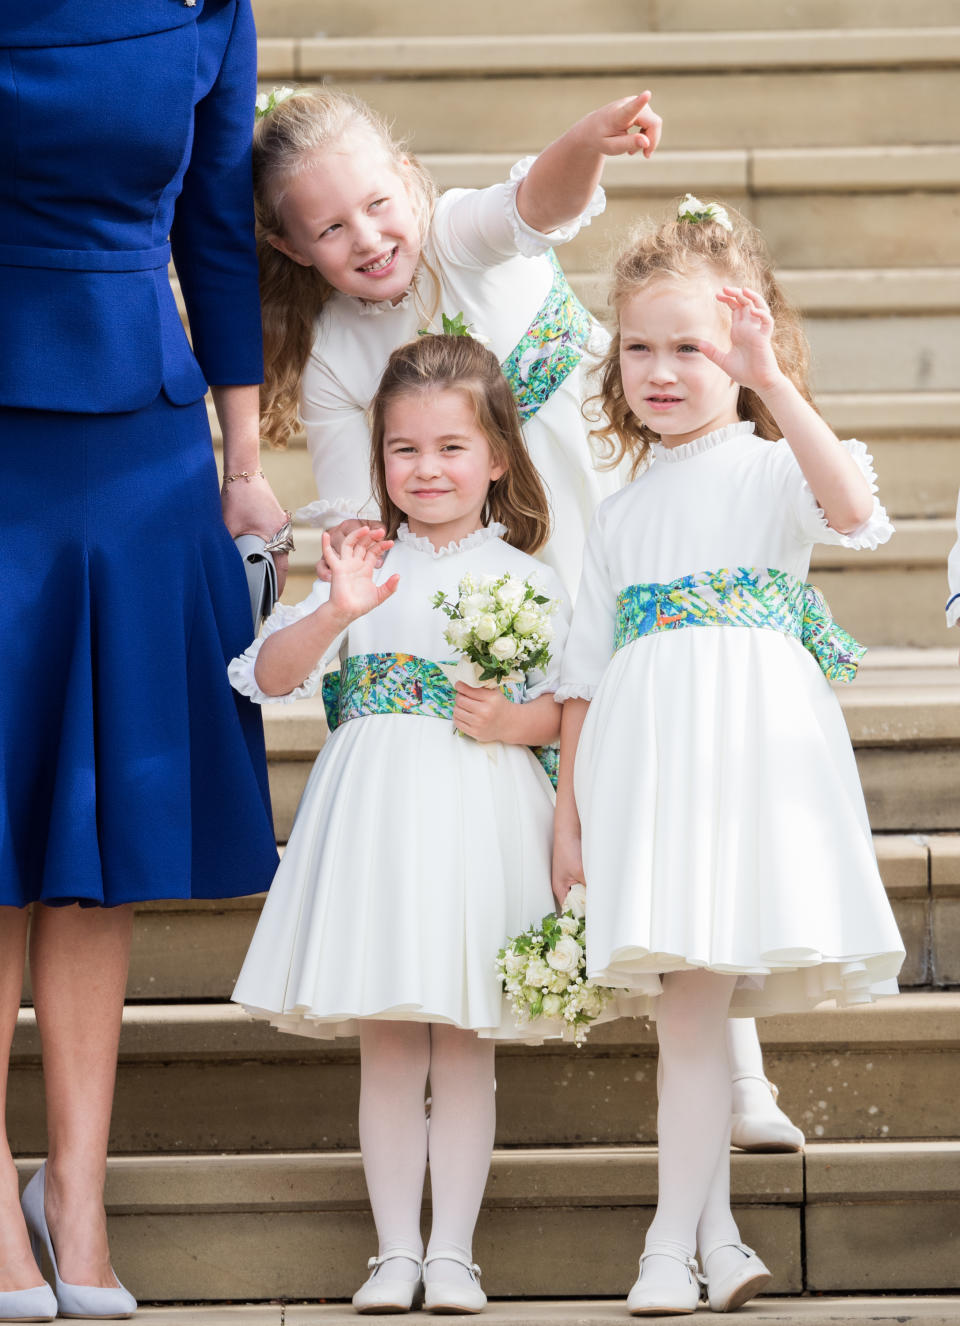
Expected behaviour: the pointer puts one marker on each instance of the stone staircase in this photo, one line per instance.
(234, 1175)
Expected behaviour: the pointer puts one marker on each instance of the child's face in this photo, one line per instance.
(439, 465)
(350, 215)
(668, 384)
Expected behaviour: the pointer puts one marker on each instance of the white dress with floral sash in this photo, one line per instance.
(501, 275)
(415, 851)
(723, 821)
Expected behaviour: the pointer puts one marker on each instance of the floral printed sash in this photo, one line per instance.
(402, 684)
(550, 348)
(743, 596)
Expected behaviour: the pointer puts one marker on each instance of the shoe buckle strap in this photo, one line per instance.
(374, 1262)
(472, 1267)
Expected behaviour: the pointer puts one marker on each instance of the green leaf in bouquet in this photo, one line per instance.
(539, 598)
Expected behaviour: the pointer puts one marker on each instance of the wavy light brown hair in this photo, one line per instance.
(459, 363)
(683, 249)
(285, 142)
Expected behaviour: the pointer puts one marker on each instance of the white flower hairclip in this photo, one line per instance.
(692, 209)
(268, 101)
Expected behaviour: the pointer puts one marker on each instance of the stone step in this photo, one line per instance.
(914, 438)
(930, 1310)
(236, 1227)
(894, 595)
(193, 951)
(373, 18)
(206, 1077)
(468, 94)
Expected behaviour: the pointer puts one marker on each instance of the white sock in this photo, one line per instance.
(394, 1061)
(693, 1120)
(462, 1124)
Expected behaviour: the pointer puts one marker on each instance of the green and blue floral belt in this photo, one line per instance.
(550, 348)
(403, 684)
(741, 596)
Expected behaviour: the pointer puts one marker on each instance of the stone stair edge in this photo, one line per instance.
(926, 1019)
(531, 1176)
(824, 1309)
(591, 53)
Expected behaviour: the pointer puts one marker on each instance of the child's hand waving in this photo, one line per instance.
(352, 591)
(610, 126)
(750, 361)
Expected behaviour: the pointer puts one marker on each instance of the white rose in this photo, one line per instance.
(591, 1002)
(552, 1005)
(474, 604)
(526, 622)
(514, 964)
(569, 925)
(566, 956)
(538, 973)
(511, 594)
(458, 633)
(576, 901)
(487, 627)
(559, 982)
(504, 648)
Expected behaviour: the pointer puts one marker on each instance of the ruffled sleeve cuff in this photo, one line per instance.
(574, 690)
(531, 243)
(876, 529)
(326, 514)
(241, 670)
(953, 610)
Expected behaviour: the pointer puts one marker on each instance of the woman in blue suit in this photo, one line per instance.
(129, 770)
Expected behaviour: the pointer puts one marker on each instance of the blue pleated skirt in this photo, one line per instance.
(129, 768)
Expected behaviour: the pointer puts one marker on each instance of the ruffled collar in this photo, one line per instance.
(699, 445)
(474, 540)
(366, 307)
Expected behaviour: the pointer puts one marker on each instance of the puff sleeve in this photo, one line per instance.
(241, 670)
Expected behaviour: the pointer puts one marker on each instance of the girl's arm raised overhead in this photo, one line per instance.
(564, 176)
(835, 479)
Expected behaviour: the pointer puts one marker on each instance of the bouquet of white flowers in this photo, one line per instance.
(543, 972)
(501, 625)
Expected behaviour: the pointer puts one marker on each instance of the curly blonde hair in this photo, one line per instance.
(684, 249)
(285, 142)
(459, 363)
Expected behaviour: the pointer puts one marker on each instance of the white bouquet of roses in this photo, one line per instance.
(501, 625)
(543, 972)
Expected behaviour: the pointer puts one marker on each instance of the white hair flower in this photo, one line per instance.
(268, 101)
(692, 209)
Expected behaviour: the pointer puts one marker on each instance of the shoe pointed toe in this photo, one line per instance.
(39, 1303)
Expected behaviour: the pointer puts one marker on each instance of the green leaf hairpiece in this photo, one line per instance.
(693, 210)
(455, 326)
(268, 101)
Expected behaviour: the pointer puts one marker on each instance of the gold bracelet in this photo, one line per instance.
(243, 474)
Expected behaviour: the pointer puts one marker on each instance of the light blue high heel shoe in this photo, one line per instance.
(38, 1304)
(72, 1300)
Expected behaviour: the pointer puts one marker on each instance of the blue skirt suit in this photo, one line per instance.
(129, 768)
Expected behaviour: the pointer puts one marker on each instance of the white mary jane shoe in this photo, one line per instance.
(649, 1299)
(380, 1293)
(453, 1296)
(731, 1291)
(769, 1131)
(36, 1304)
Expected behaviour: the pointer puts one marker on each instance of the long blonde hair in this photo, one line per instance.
(459, 363)
(285, 141)
(683, 249)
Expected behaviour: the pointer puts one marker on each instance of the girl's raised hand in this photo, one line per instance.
(612, 124)
(352, 590)
(750, 361)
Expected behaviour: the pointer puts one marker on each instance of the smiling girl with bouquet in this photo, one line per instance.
(708, 792)
(417, 849)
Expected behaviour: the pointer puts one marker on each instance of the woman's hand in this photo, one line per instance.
(567, 865)
(750, 361)
(251, 508)
(482, 712)
(352, 591)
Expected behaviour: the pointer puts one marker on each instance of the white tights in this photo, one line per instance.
(396, 1058)
(693, 1122)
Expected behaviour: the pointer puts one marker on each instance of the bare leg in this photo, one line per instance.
(462, 1124)
(78, 961)
(18, 1270)
(394, 1059)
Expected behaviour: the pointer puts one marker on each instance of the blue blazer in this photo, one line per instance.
(127, 131)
